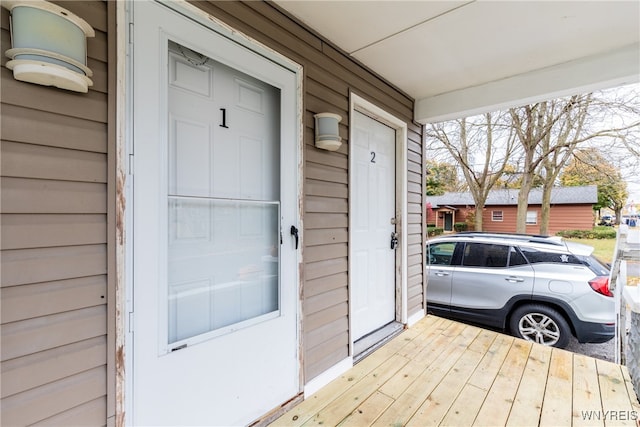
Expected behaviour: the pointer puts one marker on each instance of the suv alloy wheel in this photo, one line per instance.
(540, 324)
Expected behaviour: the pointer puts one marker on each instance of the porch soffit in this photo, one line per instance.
(458, 58)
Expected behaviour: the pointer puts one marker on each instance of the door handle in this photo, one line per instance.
(441, 273)
(394, 240)
(294, 232)
(514, 279)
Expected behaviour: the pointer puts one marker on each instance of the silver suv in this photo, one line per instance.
(542, 289)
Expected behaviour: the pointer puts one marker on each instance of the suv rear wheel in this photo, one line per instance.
(540, 324)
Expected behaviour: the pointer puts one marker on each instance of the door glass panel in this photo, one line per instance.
(223, 257)
(223, 264)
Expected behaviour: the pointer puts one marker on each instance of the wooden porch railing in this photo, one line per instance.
(627, 340)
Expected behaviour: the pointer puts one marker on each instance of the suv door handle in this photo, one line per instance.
(514, 279)
(441, 273)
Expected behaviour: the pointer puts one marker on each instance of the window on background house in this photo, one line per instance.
(496, 215)
(532, 217)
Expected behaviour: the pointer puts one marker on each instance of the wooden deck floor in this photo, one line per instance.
(441, 372)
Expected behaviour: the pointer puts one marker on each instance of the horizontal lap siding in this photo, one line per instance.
(328, 78)
(508, 223)
(561, 217)
(54, 242)
(415, 203)
(570, 217)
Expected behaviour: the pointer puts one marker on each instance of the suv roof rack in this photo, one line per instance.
(537, 238)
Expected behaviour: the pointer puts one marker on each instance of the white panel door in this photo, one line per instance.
(214, 278)
(373, 212)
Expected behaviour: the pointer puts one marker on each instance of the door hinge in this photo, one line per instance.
(131, 322)
(131, 33)
(131, 162)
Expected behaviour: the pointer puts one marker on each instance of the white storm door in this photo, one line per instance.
(214, 184)
(373, 216)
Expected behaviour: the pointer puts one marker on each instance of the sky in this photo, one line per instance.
(634, 192)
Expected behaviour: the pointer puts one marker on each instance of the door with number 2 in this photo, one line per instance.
(372, 225)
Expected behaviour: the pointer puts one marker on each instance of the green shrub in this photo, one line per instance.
(460, 226)
(434, 231)
(596, 233)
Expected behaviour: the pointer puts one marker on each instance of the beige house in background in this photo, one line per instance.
(175, 247)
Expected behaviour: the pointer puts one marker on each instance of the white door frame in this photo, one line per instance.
(358, 103)
(124, 191)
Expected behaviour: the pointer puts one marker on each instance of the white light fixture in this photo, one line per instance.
(327, 135)
(49, 45)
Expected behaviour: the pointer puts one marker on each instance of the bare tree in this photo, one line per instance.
(538, 140)
(533, 124)
(618, 109)
(550, 131)
(567, 137)
(481, 146)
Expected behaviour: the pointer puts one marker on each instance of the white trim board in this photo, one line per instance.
(327, 376)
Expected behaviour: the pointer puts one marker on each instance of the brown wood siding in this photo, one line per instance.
(562, 217)
(329, 76)
(54, 239)
(571, 217)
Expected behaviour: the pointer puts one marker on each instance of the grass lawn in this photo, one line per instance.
(602, 248)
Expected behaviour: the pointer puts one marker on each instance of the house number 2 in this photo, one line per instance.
(373, 157)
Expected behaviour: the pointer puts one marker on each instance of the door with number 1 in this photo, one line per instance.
(373, 284)
(214, 330)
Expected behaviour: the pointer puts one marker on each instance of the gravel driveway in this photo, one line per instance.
(604, 351)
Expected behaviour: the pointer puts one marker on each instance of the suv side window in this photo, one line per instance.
(516, 257)
(598, 267)
(485, 255)
(440, 253)
(535, 256)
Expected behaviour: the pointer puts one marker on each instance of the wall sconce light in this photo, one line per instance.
(327, 135)
(49, 45)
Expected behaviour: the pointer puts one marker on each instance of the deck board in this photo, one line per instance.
(501, 396)
(613, 391)
(556, 408)
(441, 372)
(586, 393)
(527, 406)
(438, 402)
(401, 411)
(349, 401)
(465, 408)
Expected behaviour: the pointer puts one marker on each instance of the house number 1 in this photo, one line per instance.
(373, 157)
(224, 118)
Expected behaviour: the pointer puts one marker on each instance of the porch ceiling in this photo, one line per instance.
(459, 58)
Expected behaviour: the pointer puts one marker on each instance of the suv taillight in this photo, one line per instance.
(600, 284)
